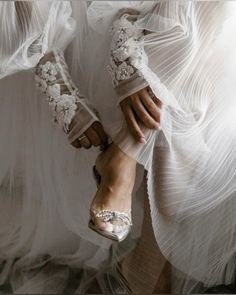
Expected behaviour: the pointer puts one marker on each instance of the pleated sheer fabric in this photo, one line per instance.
(31, 28)
(191, 162)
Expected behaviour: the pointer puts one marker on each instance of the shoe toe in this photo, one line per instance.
(117, 228)
(105, 226)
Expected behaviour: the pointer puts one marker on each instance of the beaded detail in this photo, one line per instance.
(127, 51)
(109, 216)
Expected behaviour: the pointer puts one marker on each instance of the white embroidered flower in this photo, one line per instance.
(121, 54)
(48, 71)
(122, 30)
(119, 38)
(124, 26)
(41, 84)
(65, 111)
(126, 50)
(71, 97)
(124, 71)
(54, 90)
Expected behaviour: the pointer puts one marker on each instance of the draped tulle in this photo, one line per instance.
(29, 29)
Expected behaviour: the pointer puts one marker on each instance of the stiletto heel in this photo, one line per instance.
(97, 176)
(118, 223)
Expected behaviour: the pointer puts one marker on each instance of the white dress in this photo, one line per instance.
(46, 185)
(190, 66)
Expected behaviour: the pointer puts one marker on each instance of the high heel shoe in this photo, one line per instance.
(117, 224)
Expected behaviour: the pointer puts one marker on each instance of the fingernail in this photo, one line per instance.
(143, 140)
(157, 127)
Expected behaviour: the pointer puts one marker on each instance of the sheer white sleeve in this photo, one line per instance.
(65, 101)
(126, 55)
(133, 54)
(30, 29)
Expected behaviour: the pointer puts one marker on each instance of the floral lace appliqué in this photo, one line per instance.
(48, 71)
(127, 51)
(63, 105)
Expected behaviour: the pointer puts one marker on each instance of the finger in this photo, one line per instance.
(97, 126)
(142, 113)
(151, 107)
(154, 98)
(132, 123)
(93, 136)
(100, 130)
(84, 141)
(73, 131)
(76, 144)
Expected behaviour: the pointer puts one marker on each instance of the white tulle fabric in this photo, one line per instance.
(191, 162)
(30, 29)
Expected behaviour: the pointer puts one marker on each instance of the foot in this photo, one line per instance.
(114, 194)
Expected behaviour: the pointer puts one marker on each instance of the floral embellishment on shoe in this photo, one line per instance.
(107, 216)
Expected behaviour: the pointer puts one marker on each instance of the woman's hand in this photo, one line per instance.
(94, 136)
(141, 108)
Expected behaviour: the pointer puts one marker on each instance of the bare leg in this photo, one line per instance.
(145, 269)
(118, 176)
(118, 170)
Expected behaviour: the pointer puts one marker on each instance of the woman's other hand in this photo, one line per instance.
(95, 135)
(141, 108)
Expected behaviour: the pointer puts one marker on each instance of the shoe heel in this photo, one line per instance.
(97, 176)
(117, 237)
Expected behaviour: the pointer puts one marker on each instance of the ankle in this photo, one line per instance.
(114, 158)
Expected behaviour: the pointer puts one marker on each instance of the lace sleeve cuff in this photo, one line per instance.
(65, 101)
(126, 55)
(130, 86)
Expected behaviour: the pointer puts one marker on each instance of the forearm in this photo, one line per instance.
(64, 99)
(128, 59)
